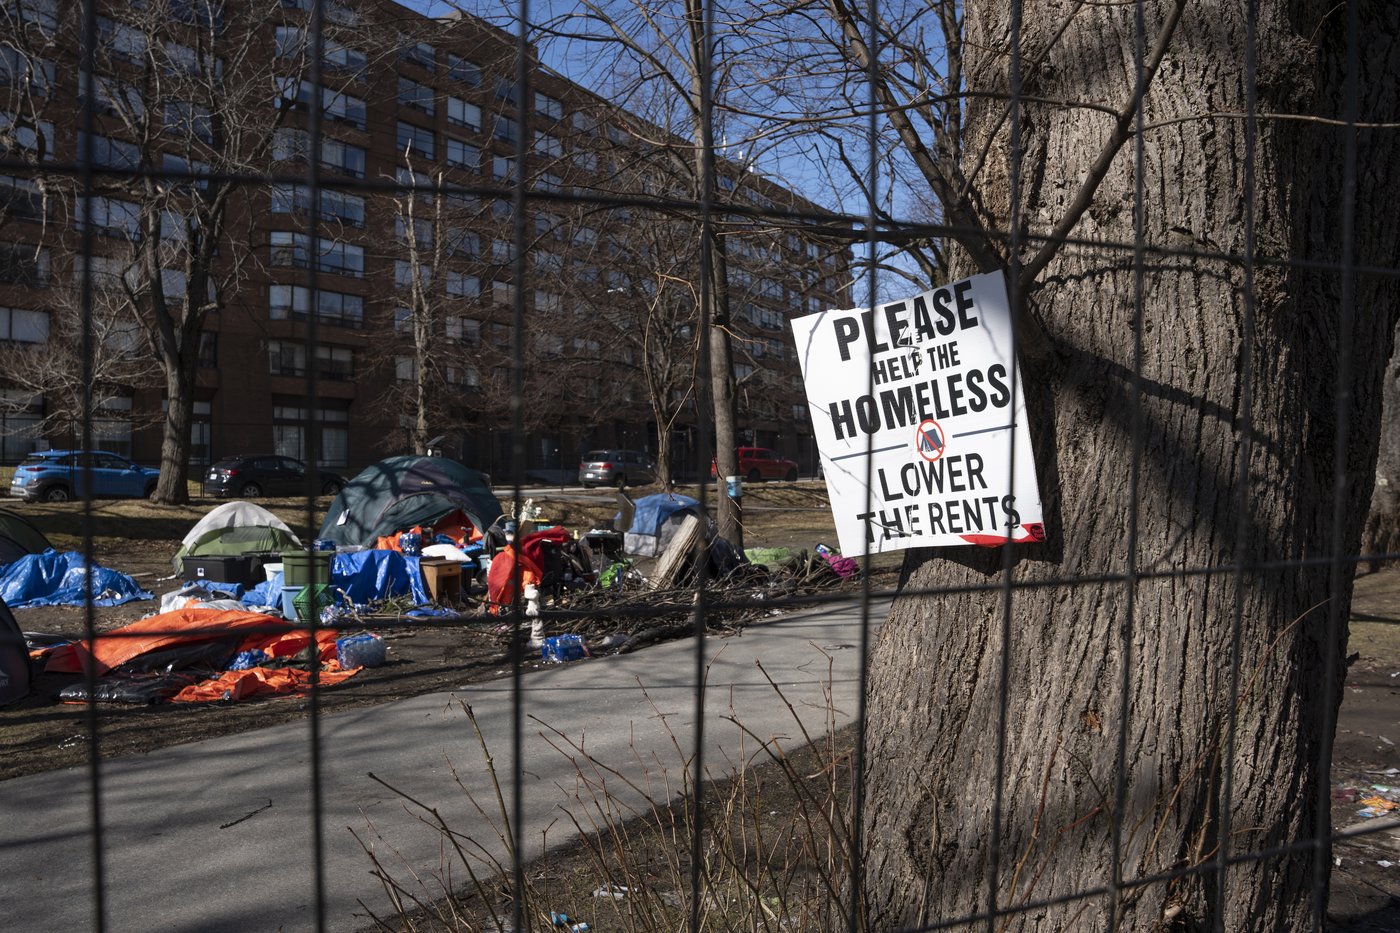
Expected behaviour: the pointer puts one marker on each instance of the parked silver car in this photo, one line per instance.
(616, 468)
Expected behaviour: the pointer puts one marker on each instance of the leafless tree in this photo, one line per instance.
(182, 99)
(1169, 357)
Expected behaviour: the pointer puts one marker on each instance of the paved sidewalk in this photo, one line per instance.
(217, 835)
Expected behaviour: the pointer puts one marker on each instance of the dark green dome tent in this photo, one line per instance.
(401, 492)
(18, 537)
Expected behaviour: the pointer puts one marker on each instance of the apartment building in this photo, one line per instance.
(391, 313)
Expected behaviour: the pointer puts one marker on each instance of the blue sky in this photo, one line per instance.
(802, 172)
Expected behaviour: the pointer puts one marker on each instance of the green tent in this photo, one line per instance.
(400, 492)
(18, 537)
(236, 528)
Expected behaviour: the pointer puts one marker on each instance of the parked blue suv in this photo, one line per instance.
(58, 475)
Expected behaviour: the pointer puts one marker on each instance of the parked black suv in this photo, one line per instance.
(252, 475)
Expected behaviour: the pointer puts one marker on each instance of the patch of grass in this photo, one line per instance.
(774, 849)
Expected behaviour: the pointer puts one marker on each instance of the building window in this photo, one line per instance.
(288, 358)
(122, 42)
(418, 96)
(17, 69)
(418, 183)
(293, 250)
(422, 231)
(108, 216)
(336, 105)
(461, 243)
(21, 325)
(184, 119)
(344, 60)
(502, 169)
(288, 426)
(111, 426)
(20, 199)
(461, 113)
(343, 157)
(547, 145)
(184, 175)
(417, 53)
(36, 139)
(183, 60)
(20, 414)
(463, 155)
(208, 350)
(335, 205)
(294, 302)
(462, 285)
(416, 140)
(547, 106)
(459, 69)
(403, 274)
(289, 42)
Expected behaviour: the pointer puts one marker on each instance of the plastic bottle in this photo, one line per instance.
(363, 650)
(561, 648)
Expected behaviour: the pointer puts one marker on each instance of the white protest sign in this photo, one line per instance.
(920, 423)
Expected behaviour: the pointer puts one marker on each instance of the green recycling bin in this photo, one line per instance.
(304, 568)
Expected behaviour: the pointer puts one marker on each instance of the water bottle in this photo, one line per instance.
(561, 648)
(363, 650)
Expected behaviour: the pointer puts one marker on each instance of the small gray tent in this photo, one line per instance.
(19, 537)
(401, 492)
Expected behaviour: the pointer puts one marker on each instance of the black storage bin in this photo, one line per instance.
(256, 560)
(232, 568)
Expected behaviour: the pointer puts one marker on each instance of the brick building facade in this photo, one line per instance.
(406, 274)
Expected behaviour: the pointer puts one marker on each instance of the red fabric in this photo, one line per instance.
(156, 632)
(532, 545)
(500, 579)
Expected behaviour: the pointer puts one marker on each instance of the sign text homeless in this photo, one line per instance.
(920, 425)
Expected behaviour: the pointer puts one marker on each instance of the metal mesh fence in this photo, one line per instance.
(1125, 723)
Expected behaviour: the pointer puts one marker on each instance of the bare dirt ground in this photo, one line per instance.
(140, 539)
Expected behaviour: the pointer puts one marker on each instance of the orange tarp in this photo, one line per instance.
(160, 631)
(195, 624)
(256, 681)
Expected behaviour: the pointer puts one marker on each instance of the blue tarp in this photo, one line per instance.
(652, 512)
(364, 577)
(56, 579)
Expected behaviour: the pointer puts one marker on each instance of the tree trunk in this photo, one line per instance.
(172, 488)
(1158, 460)
(1383, 523)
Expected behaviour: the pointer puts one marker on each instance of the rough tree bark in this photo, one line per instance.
(1162, 457)
(1383, 523)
